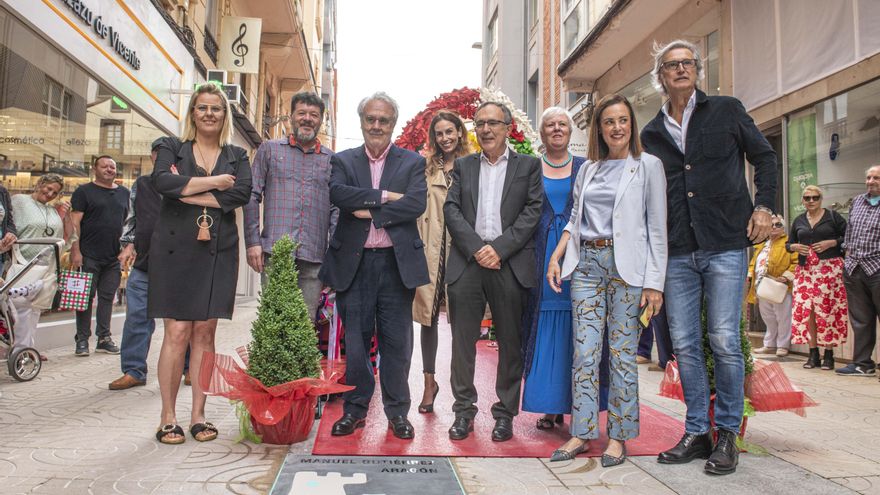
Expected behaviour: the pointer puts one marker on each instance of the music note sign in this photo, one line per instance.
(240, 44)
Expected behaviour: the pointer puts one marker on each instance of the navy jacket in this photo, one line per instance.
(707, 193)
(351, 189)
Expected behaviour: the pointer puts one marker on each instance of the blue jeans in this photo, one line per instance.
(138, 328)
(719, 277)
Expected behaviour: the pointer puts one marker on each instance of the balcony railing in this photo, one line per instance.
(211, 46)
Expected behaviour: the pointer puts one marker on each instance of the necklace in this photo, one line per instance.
(48, 231)
(205, 162)
(563, 164)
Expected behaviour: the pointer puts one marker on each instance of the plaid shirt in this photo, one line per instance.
(863, 237)
(294, 183)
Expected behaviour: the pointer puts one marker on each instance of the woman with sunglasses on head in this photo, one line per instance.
(773, 261)
(36, 217)
(447, 141)
(193, 269)
(819, 314)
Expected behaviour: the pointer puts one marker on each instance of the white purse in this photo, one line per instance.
(771, 290)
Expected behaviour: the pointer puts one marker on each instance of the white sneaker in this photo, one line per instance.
(782, 352)
(766, 350)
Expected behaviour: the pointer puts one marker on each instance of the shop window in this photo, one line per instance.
(831, 145)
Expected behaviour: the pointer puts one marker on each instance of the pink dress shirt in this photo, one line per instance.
(377, 238)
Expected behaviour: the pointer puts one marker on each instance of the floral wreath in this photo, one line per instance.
(464, 102)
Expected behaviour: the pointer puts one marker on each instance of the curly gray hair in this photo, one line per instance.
(660, 51)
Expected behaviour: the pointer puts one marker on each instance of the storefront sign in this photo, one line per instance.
(22, 140)
(240, 44)
(85, 14)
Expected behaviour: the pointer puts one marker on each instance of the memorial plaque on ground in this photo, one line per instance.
(362, 475)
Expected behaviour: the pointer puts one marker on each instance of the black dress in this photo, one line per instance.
(195, 280)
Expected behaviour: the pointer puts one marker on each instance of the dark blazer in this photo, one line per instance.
(351, 189)
(709, 203)
(521, 202)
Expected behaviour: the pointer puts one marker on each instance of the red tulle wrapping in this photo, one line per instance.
(294, 426)
(768, 388)
(291, 404)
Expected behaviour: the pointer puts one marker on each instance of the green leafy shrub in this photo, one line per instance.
(284, 346)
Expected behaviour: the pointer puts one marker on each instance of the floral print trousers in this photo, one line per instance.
(601, 300)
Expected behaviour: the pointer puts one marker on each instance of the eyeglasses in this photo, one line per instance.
(777, 225)
(812, 198)
(672, 65)
(491, 123)
(212, 108)
(383, 121)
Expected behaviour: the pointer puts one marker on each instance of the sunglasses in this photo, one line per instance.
(812, 198)
(777, 225)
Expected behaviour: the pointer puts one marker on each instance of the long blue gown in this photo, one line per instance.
(548, 385)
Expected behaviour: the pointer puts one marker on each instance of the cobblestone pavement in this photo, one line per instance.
(65, 432)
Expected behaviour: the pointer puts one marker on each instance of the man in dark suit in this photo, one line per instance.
(375, 262)
(491, 211)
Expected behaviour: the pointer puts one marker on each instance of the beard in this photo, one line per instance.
(304, 136)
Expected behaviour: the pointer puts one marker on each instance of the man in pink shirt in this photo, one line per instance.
(375, 261)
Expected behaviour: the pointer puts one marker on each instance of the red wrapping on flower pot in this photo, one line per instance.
(289, 407)
(769, 389)
(670, 385)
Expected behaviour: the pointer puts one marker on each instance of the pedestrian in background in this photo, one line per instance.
(193, 268)
(614, 251)
(98, 210)
(547, 314)
(291, 179)
(375, 262)
(862, 276)
(773, 261)
(819, 313)
(703, 142)
(447, 141)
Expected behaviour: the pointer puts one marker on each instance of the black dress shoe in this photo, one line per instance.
(346, 425)
(461, 428)
(688, 448)
(725, 456)
(401, 427)
(503, 430)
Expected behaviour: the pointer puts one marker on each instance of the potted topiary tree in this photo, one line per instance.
(283, 374)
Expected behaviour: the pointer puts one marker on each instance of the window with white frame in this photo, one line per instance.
(56, 101)
(573, 23)
(493, 34)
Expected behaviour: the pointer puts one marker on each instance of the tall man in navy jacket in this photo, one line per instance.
(375, 261)
(702, 141)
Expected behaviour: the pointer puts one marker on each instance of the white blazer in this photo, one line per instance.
(639, 223)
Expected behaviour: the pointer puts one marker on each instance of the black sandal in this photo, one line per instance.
(197, 428)
(170, 429)
(547, 422)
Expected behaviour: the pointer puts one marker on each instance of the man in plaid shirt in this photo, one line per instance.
(862, 274)
(291, 179)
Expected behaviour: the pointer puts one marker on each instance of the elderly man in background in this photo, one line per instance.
(375, 262)
(862, 275)
(291, 178)
(703, 142)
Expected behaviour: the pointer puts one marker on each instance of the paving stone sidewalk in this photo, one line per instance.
(65, 432)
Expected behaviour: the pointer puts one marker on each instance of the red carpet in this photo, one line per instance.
(658, 431)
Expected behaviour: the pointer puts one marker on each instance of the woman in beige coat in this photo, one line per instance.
(447, 140)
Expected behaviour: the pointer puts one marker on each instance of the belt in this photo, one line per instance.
(598, 243)
(379, 250)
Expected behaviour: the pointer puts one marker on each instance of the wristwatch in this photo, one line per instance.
(764, 209)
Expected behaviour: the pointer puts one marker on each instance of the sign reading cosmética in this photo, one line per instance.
(85, 14)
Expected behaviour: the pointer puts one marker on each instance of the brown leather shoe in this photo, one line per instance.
(186, 379)
(126, 381)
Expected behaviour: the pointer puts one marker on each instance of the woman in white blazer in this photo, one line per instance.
(614, 251)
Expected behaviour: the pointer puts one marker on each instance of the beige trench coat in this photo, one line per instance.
(431, 226)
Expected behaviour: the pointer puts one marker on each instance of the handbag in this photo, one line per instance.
(771, 290)
(75, 287)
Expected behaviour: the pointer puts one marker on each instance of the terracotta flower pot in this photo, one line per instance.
(294, 427)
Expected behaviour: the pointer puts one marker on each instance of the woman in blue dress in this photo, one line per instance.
(547, 317)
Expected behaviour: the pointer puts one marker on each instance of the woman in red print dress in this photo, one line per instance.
(819, 316)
